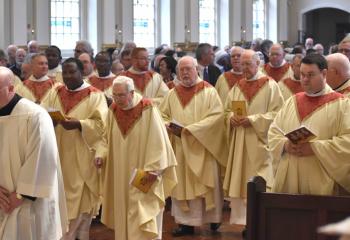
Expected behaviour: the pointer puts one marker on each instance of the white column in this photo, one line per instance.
(19, 22)
(92, 22)
(108, 21)
(235, 20)
(194, 20)
(248, 21)
(5, 37)
(223, 25)
(41, 15)
(164, 26)
(272, 20)
(127, 21)
(282, 20)
(179, 21)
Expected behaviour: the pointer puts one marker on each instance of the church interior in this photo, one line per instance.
(178, 28)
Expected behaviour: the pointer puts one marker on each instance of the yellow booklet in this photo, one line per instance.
(139, 180)
(57, 115)
(239, 108)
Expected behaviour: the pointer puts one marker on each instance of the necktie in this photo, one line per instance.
(205, 74)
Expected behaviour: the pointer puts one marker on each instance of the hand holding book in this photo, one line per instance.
(176, 128)
(299, 142)
(142, 180)
(300, 135)
(239, 108)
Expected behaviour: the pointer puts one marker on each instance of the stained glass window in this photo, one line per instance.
(144, 23)
(65, 23)
(259, 22)
(207, 21)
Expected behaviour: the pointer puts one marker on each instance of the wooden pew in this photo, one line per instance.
(275, 216)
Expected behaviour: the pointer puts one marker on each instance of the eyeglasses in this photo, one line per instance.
(143, 58)
(344, 50)
(120, 95)
(275, 54)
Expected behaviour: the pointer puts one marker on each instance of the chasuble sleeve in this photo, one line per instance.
(334, 153)
(261, 121)
(159, 156)
(228, 113)
(36, 175)
(162, 90)
(219, 86)
(93, 127)
(164, 108)
(276, 137)
(211, 126)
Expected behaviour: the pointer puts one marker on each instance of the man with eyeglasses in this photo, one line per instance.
(200, 149)
(277, 68)
(338, 74)
(247, 132)
(319, 166)
(147, 82)
(344, 47)
(137, 139)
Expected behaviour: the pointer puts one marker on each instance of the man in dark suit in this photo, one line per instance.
(205, 57)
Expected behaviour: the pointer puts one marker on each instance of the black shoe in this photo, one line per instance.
(214, 226)
(244, 233)
(183, 230)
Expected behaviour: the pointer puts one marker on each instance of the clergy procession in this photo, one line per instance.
(120, 136)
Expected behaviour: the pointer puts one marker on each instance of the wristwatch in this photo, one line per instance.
(19, 196)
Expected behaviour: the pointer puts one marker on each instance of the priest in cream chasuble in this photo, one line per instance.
(147, 82)
(136, 140)
(200, 149)
(247, 132)
(321, 165)
(80, 141)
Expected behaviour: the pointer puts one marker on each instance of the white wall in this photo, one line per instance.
(18, 10)
(5, 36)
(298, 7)
(103, 19)
(42, 11)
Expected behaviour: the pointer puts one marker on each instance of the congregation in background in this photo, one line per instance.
(130, 129)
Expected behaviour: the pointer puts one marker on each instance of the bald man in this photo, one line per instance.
(228, 79)
(277, 68)
(32, 204)
(338, 74)
(247, 132)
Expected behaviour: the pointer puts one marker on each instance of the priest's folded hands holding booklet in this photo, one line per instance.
(69, 123)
